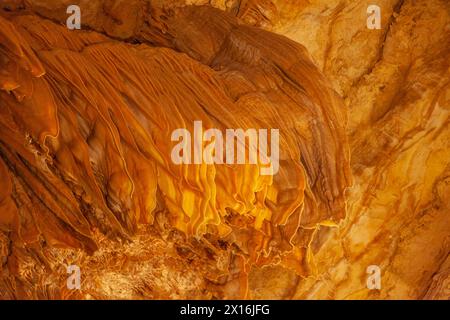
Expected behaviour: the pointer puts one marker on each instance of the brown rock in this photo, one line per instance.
(86, 118)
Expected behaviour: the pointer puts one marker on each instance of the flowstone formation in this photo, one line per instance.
(87, 122)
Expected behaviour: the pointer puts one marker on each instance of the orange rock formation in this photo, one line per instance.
(86, 118)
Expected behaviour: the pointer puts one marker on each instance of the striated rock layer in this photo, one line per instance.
(86, 118)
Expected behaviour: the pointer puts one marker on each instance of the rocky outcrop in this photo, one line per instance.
(86, 118)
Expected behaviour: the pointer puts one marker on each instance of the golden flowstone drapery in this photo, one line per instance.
(86, 118)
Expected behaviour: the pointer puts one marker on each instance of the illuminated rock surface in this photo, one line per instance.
(86, 118)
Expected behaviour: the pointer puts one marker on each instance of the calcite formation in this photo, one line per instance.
(86, 140)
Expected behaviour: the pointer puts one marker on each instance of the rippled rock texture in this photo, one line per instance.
(86, 118)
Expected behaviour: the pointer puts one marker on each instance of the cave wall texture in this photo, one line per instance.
(86, 118)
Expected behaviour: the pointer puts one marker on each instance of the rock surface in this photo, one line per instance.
(86, 118)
